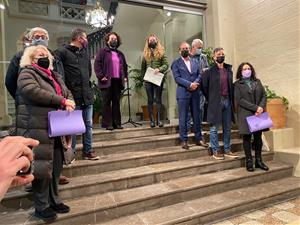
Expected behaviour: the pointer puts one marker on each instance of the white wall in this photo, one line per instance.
(265, 33)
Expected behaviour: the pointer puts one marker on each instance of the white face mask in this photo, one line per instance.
(39, 41)
(198, 51)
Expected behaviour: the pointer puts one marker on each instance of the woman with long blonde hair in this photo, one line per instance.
(154, 57)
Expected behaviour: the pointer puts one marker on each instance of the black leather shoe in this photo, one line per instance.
(118, 127)
(260, 164)
(47, 214)
(160, 124)
(202, 143)
(109, 128)
(61, 208)
(184, 145)
(249, 165)
(152, 124)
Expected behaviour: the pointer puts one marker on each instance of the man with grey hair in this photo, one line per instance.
(36, 36)
(196, 53)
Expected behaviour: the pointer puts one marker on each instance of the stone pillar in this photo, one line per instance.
(220, 27)
(5, 119)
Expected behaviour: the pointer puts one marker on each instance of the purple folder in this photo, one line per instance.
(61, 123)
(261, 122)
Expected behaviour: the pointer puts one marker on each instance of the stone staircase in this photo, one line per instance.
(144, 177)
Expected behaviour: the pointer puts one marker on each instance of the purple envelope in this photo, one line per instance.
(261, 122)
(61, 123)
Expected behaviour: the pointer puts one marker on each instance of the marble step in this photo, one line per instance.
(133, 177)
(139, 158)
(209, 209)
(101, 134)
(127, 133)
(194, 198)
(140, 143)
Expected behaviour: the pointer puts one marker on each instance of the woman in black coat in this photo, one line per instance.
(39, 91)
(250, 99)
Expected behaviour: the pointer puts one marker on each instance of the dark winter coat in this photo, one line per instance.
(12, 72)
(78, 71)
(211, 88)
(247, 101)
(104, 68)
(36, 96)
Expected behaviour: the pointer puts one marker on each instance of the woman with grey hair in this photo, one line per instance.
(39, 91)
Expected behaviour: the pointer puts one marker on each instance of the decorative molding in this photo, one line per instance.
(169, 3)
(72, 12)
(33, 7)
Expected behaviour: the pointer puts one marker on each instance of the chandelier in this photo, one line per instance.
(98, 17)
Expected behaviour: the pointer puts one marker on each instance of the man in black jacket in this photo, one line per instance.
(36, 35)
(77, 66)
(217, 87)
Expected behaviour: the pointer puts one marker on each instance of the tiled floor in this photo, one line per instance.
(280, 214)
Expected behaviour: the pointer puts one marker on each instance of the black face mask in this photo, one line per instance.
(220, 59)
(152, 44)
(185, 53)
(113, 43)
(43, 62)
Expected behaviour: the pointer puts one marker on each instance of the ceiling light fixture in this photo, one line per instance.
(98, 17)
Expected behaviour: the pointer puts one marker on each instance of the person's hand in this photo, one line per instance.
(125, 79)
(70, 105)
(15, 155)
(259, 111)
(104, 79)
(194, 86)
(156, 71)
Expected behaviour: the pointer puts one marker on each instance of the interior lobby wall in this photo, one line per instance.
(266, 34)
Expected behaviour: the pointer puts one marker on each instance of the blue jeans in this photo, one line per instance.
(226, 125)
(87, 137)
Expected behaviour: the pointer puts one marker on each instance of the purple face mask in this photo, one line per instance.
(246, 73)
(85, 44)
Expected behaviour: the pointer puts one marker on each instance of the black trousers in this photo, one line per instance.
(257, 143)
(111, 114)
(45, 190)
(154, 93)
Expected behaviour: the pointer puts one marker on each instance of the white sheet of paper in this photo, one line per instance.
(155, 78)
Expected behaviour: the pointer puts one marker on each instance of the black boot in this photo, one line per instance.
(159, 122)
(260, 164)
(152, 122)
(249, 165)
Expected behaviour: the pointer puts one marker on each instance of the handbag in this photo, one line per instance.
(260, 122)
(62, 123)
(69, 155)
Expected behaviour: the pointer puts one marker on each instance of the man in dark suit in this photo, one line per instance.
(187, 76)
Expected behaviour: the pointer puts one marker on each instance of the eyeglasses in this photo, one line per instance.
(36, 37)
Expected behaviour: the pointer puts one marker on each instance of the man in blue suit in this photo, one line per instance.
(187, 76)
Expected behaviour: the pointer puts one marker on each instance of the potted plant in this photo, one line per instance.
(276, 107)
(97, 107)
(138, 80)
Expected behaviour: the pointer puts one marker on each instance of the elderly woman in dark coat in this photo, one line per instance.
(39, 91)
(250, 99)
